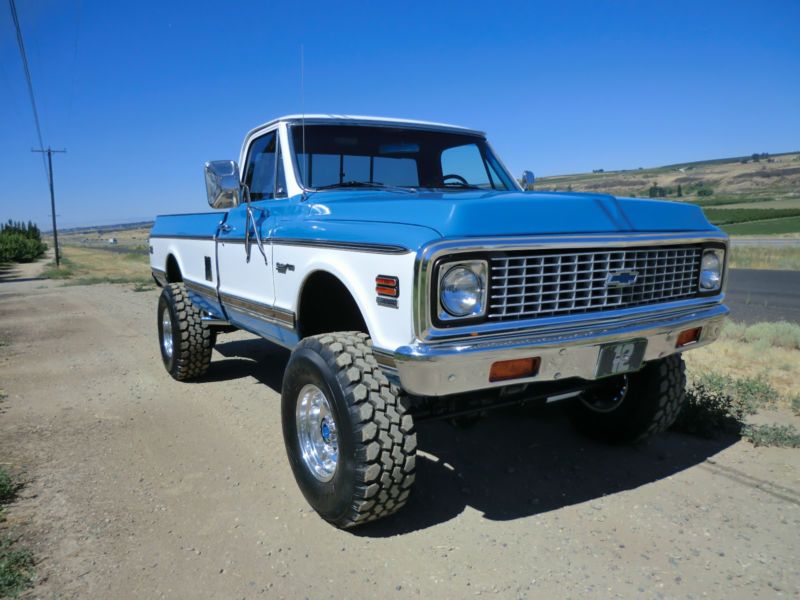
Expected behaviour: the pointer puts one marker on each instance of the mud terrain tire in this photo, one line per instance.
(374, 444)
(179, 322)
(651, 403)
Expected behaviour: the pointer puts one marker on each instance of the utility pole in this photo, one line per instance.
(49, 153)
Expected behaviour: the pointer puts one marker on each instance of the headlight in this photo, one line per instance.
(462, 290)
(711, 270)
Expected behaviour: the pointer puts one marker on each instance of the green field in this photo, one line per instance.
(729, 201)
(768, 227)
(729, 216)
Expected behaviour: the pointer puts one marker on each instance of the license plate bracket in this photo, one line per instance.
(620, 357)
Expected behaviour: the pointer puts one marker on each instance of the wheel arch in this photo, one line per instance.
(342, 309)
(173, 270)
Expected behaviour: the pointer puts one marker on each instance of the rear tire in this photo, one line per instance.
(185, 341)
(350, 442)
(635, 407)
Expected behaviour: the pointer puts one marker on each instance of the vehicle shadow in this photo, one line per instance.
(514, 464)
(519, 463)
(252, 357)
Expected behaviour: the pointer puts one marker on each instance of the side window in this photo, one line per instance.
(280, 176)
(466, 161)
(259, 174)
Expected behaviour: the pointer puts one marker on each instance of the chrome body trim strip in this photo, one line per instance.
(429, 254)
(334, 245)
(337, 245)
(192, 214)
(204, 290)
(463, 366)
(178, 236)
(273, 314)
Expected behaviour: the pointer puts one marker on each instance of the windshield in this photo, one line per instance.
(361, 156)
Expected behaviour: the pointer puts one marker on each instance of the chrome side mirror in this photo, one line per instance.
(527, 180)
(222, 183)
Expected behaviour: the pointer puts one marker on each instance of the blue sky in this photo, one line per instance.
(141, 94)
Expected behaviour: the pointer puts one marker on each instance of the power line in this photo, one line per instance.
(23, 55)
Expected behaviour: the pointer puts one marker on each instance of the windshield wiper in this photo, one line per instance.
(365, 184)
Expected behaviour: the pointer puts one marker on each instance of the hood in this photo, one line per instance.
(479, 213)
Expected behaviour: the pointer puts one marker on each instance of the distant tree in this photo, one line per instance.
(705, 192)
(569, 187)
(20, 242)
(680, 191)
(755, 157)
(656, 191)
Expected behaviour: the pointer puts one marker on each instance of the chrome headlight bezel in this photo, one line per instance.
(711, 276)
(479, 269)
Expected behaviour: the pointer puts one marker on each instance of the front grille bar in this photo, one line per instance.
(531, 284)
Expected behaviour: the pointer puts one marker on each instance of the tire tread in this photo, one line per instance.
(384, 432)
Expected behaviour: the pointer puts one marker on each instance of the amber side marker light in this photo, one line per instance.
(386, 285)
(688, 336)
(514, 369)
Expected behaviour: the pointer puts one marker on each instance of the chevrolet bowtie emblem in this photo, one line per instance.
(616, 279)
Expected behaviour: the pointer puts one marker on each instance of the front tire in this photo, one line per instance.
(633, 407)
(350, 442)
(186, 342)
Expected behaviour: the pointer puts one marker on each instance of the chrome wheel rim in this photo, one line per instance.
(608, 398)
(316, 432)
(166, 333)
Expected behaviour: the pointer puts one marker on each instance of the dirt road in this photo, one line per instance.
(142, 487)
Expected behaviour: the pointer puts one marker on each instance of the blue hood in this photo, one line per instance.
(479, 213)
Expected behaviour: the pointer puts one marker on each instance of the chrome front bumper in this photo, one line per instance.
(440, 369)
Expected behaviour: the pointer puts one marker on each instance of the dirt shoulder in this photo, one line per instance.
(139, 486)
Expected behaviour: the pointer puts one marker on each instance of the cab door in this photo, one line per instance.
(244, 253)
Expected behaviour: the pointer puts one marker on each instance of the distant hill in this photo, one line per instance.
(104, 228)
(746, 195)
(756, 177)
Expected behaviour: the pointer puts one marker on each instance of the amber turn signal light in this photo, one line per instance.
(514, 369)
(688, 336)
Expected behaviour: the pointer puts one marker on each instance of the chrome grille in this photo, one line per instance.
(540, 284)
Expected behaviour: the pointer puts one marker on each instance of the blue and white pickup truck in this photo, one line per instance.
(412, 278)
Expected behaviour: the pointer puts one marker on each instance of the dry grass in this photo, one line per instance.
(126, 238)
(765, 351)
(86, 266)
(765, 257)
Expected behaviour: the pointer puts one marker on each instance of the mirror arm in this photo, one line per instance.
(251, 219)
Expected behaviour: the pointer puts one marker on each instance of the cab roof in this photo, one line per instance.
(361, 120)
